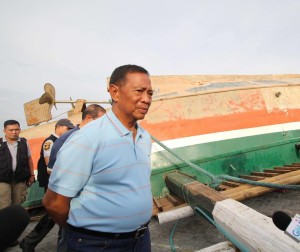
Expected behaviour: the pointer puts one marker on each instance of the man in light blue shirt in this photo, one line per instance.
(100, 184)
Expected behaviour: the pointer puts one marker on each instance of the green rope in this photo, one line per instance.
(217, 180)
(171, 237)
(241, 246)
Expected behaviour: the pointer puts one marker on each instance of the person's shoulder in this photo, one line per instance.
(23, 139)
(47, 144)
(94, 125)
(67, 134)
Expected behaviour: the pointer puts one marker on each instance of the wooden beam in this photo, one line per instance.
(157, 204)
(254, 178)
(293, 165)
(249, 191)
(277, 171)
(291, 168)
(263, 174)
(172, 199)
(193, 192)
(255, 231)
(230, 183)
(166, 205)
(223, 187)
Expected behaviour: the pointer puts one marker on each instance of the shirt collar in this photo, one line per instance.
(121, 129)
(55, 135)
(4, 139)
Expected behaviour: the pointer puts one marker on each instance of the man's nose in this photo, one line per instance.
(147, 98)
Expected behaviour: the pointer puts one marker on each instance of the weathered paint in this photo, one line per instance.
(185, 108)
(233, 156)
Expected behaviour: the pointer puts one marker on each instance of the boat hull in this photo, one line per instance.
(225, 124)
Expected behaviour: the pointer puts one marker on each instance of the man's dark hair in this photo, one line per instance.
(119, 74)
(93, 110)
(10, 122)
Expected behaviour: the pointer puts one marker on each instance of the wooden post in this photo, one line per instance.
(255, 231)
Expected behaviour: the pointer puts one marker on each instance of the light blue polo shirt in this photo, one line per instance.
(107, 175)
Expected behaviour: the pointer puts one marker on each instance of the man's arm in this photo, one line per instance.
(30, 164)
(57, 206)
(47, 150)
(32, 177)
(46, 160)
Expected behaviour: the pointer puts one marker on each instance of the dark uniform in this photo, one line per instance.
(46, 223)
(14, 177)
(22, 172)
(43, 176)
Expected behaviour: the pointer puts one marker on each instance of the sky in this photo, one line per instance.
(76, 44)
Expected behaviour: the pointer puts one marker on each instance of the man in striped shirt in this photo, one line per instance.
(102, 195)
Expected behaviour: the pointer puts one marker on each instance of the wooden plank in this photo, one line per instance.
(277, 171)
(223, 187)
(235, 218)
(166, 205)
(254, 178)
(294, 168)
(172, 199)
(287, 168)
(249, 191)
(192, 191)
(252, 229)
(263, 174)
(158, 205)
(230, 183)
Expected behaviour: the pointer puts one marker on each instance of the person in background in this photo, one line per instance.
(45, 224)
(92, 112)
(16, 167)
(102, 196)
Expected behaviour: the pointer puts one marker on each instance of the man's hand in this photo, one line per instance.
(30, 181)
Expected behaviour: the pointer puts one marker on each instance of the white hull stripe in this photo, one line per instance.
(225, 135)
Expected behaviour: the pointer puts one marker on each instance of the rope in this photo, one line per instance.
(199, 212)
(172, 235)
(241, 246)
(217, 180)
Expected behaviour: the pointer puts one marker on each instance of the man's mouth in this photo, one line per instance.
(143, 110)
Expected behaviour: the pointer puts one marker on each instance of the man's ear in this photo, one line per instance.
(114, 92)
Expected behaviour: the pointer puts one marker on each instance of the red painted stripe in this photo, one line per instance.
(191, 127)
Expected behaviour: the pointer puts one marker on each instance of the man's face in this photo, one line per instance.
(133, 98)
(61, 130)
(12, 132)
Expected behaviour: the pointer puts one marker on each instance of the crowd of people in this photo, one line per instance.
(96, 175)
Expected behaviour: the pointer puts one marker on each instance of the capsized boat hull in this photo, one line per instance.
(225, 124)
